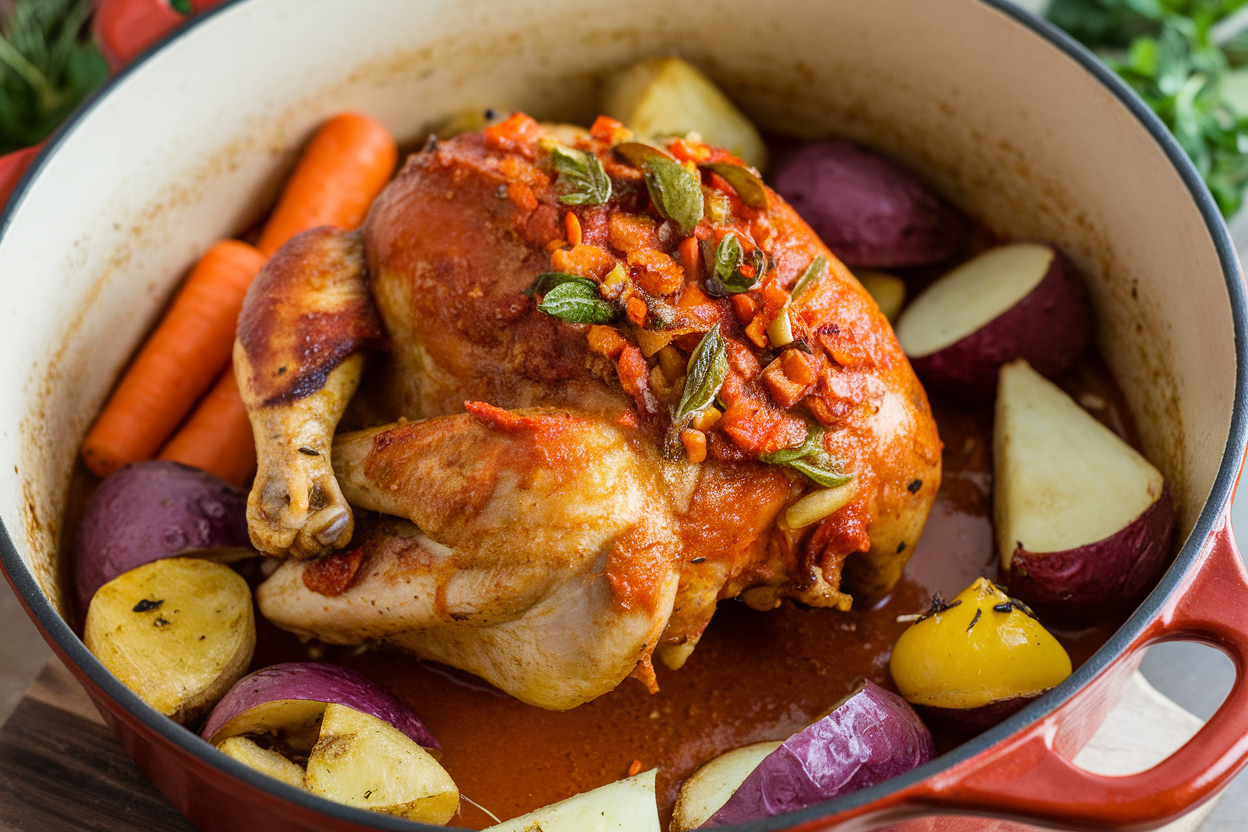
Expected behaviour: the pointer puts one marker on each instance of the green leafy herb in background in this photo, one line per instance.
(1184, 57)
(49, 64)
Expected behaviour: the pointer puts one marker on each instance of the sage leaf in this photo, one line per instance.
(813, 274)
(546, 281)
(811, 460)
(675, 190)
(744, 181)
(577, 301)
(707, 369)
(581, 173)
(724, 268)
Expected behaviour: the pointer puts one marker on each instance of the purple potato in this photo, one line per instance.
(870, 737)
(152, 510)
(871, 211)
(291, 697)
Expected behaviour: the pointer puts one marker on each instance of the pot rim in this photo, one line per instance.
(1214, 512)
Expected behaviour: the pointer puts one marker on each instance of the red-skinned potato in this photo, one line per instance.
(290, 699)
(871, 211)
(870, 737)
(710, 786)
(1083, 521)
(1019, 300)
(151, 510)
(968, 664)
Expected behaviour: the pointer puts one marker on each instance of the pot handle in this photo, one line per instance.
(1027, 778)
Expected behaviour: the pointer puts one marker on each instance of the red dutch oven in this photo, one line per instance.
(1007, 116)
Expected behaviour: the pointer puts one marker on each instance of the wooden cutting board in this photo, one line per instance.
(62, 769)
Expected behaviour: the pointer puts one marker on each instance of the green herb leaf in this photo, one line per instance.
(48, 64)
(724, 275)
(182, 7)
(577, 301)
(675, 190)
(744, 181)
(813, 274)
(582, 175)
(811, 460)
(707, 369)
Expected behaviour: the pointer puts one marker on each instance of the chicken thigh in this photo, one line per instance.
(589, 415)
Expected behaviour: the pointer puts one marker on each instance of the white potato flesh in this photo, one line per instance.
(263, 760)
(975, 293)
(623, 806)
(709, 788)
(179, 632)
(1061, 478)
(888, 291)
(297, 720)
(670, 97)
(364, 762)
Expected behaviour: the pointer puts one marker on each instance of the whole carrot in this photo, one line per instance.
(217, 436)
(344, 167)
(180, 360)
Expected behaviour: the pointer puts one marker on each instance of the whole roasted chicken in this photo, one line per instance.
(608, 384)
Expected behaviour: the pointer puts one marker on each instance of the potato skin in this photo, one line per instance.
(1050, 328)
(151, 510)
(1101, 579)
(869, 210)
(178, 632)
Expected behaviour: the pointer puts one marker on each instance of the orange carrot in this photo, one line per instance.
(217, 436)
(180, 360)
(345, 166)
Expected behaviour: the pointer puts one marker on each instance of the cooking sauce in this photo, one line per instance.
(754, 676)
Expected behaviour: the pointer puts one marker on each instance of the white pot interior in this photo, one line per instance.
(189, 146)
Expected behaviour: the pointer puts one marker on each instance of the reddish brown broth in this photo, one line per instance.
(754, 676)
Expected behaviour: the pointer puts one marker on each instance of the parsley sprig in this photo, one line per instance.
(48, 64)
(1184, 58)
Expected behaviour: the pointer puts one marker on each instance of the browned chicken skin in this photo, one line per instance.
(558, 525)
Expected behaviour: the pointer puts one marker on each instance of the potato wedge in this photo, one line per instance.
(364, 762)
(623, 806)
(709, 788)
(178, 632)
(263, 760)
(670, 97)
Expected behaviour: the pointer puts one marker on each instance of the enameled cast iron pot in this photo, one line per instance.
(1001, 112)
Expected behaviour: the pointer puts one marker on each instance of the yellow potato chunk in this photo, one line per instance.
(669, 97)
(263, 760)
(623, 806)
(364, 762)
(178, 632)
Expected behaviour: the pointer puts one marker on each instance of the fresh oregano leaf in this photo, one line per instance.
(582, 175)
(577, 301)
(707, 369)
(811, 460)
(675, 190)
(744, 181)
(812, 275)
(546, 281)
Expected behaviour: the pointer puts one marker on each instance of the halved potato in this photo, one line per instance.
(1083, 521)
(623, 806)
(364, 762)
(711, 785)
(670, 97)
(264, 760)
(1019, 300)
(969, 663)
(888, 290)
(178, 632)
